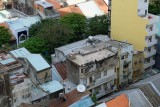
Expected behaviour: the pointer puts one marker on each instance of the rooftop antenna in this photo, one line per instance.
(81, 88)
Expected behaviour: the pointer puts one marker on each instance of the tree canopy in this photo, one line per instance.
(76, 23)
(154, 7)
(5, 36)
(98, 25)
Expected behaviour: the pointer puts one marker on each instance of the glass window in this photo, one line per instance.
(105, 73)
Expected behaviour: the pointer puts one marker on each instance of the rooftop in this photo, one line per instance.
(70, 9)
(55, 3)
(71, 98)
(5, 24)
(118, 44)
(8, 62)
(91, 53)
(67, 49)
(36, 60)
(88, 7)
(151, 95)
(51, 86)
(44, 4)
(22, 23)
(120, 101)
(61, 68)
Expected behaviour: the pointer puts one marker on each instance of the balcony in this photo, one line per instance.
(102, 80)
(105, 92)
(105, 79)
(153, 19)
(149, 64)
(148, 54)
(154, 31)
(151, 43)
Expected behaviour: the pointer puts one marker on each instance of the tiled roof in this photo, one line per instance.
(71, 98)
(102, 5)
(56, 4)
(61, 68)
(70, 9)
(4, 24)
(120, 101)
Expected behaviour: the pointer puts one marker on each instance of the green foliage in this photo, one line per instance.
(94, 98)
(154, 7)
(35, 45)
(77, 23)
(98, 25)
(4, 36)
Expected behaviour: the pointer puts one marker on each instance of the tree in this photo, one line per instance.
(5, 36)
(98, 25)
(77, 23)
(154, 7)
(94, 98)
(35, 45)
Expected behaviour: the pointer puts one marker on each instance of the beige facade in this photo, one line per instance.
(138, 58)
(93, 66)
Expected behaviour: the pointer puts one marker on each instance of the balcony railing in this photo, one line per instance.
(151, 43)
(148, 64)
(101, 81)
(105, 92)
(152, 19)
(148, 54)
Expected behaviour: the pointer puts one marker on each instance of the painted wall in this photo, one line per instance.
(126, 24)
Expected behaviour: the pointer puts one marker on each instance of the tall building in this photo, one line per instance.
(132, 22)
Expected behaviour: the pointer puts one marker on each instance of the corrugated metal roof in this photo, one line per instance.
(21, 52)
(156, 85)
(151, 95)
(61, 68)
(90, 9)
(43, 4)
(7, 61)
(22, 23)
(85, 102)
(55, 75)
(37, 61)
(71, 97)
(52, 86)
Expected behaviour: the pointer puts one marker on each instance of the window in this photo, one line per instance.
(85, 81)
(125, 66)
(90, 79)
(145, 1)
(146, 12)
(105, 73)
(97, 89)
(122, 57)
(97, 76)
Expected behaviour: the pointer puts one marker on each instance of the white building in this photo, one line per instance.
(20, 27)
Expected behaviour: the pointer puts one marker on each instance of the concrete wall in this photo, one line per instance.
(126, 24)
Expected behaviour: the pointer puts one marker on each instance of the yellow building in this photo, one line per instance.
(131, 22)
(138, 57)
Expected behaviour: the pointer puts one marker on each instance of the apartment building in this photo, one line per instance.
(94, 66)
(124, 65)
(138, 58)
(132, 22)
(36, 67)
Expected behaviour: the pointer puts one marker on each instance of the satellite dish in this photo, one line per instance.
(81, 88)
